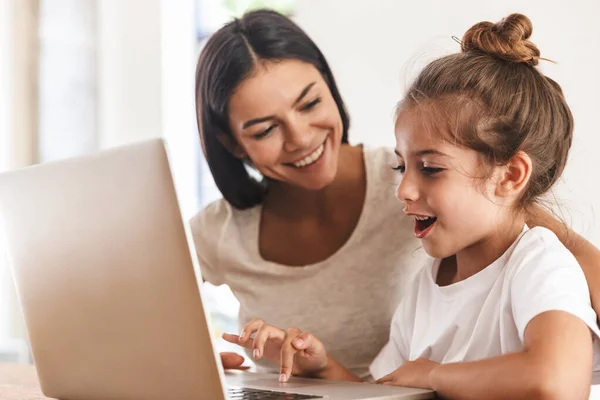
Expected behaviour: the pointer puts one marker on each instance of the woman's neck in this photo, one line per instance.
(294, 202)
(483, 253)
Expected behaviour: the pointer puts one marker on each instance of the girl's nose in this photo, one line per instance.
(407, 190)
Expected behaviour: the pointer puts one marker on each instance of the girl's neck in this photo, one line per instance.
(294, 202)
(473, 259)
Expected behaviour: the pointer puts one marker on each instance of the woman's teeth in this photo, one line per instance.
(311, 158)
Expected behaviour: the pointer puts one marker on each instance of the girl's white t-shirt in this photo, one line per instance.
(346, 300)
(486, 315)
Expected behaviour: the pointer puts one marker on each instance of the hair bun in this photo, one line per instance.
(507, 40)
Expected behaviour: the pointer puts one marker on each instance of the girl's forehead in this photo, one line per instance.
(413, 140)
(411, 133)
(428, 125)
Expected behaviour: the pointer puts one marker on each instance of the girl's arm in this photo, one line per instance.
(556, 364)
(587, 255)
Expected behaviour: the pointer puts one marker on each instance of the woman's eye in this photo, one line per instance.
(264, 133)
(399, 168)
(310, 105)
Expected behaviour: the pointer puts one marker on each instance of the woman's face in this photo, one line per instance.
(286, 121)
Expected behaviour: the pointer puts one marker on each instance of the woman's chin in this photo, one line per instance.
(320, 182)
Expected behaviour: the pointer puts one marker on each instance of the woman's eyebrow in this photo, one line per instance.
(303, 93)
(255, 121)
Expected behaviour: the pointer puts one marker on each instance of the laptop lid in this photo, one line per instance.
(106, 278)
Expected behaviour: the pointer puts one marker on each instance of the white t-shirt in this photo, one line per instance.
(486, 315)
(346, 300)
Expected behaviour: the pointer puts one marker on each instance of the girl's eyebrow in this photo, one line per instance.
(425, 152)
(431, 151)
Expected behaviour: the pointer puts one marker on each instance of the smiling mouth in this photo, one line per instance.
(309, 159)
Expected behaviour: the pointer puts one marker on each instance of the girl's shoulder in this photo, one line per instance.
(537, 256)
(538, 242)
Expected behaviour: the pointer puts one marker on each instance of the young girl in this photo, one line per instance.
(503, 311)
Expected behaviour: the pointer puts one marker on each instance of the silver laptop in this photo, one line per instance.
(109, 287)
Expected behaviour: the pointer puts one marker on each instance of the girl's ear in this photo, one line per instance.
(231, 145)
(515, 176)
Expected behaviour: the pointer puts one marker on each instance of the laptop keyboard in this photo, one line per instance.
(255, 394)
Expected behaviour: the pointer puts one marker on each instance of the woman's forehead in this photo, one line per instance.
(276, 82)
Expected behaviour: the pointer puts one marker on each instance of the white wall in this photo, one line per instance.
(376, 46)
(18, 123)
(5, 90)
(5, 278)
(111, 72)
(129, 68)
(67, 79)
(178, 67)
(146, 62)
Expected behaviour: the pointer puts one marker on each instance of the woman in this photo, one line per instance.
(313, 231)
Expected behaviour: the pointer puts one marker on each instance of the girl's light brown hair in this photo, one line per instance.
(491, 98)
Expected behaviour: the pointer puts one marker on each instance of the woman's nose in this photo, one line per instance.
(297, 136)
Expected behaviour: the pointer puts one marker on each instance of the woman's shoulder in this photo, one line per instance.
(216, 222)
(379, 162)
(382, 180)
(211, 216)
(379, 155)
(218, 216)
(383, 211)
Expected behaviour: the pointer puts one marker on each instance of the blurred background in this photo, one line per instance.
(77, 76)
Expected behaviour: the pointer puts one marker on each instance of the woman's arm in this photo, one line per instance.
(337, 372)
(556, 364)
(587, 255)
(298, 353)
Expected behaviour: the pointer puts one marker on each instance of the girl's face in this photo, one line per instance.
(444, 188)
(287, 123)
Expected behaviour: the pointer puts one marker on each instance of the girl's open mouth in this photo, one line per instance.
(424, 225)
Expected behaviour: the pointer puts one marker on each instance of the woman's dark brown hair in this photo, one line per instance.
(491, 98)
(230, 56)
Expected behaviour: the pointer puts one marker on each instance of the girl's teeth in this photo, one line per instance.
(311, 158)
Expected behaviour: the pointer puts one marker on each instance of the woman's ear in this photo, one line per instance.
(231, 145)
(515, 175)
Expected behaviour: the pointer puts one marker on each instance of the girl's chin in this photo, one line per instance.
(435, 251)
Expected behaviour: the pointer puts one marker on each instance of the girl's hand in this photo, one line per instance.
(297, 352)
(411, 373)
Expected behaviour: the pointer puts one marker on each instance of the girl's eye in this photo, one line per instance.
(431, 170)
(399, 168)
(311, 105)
(264, 133)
